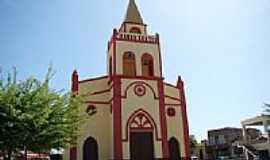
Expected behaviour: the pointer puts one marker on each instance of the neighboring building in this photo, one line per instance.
(220, 140)
(253, 133)
(256, 146)
(134, 113)
(200, 151)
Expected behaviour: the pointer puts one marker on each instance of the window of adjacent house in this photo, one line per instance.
(129, 65)
(135, 30)
(147, 65)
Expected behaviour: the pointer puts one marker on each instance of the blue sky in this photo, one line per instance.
(220, 48)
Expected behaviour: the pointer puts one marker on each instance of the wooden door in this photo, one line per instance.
(174, 149)
(141, 146)
(90, 149)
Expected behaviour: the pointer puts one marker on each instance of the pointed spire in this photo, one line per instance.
(133, 15)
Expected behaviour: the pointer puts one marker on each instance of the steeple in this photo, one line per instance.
(133, 15)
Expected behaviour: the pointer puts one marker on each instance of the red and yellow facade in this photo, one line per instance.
(133, 97)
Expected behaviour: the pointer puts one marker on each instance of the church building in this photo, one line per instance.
(133, 113)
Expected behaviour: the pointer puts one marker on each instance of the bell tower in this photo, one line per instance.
(131, 51)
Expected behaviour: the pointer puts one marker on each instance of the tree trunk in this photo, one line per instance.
(9, 154)
(25, 153)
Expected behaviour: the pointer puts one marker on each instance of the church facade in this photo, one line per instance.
(133, 112)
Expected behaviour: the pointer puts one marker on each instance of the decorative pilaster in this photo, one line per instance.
(117, 127)
(74, 89)
(180, 85)
(163, 121)
(75, 82)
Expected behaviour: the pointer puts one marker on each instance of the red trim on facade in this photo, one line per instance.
(74, 89)
(180, 85)
(117, 126)
(171, 111)
(114, 50)
(93, 79)
(75, 82)
(139, 90)
(133, 115)
(173, 98)
(136, 41)
(163, 121)
(139, 83)
(139, 77)
(160, 58)
(73, 153)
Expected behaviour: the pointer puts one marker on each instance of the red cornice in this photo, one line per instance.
(139, 77)
(136, 41)
(122, 76)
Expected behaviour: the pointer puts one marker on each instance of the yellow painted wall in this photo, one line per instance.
(175, 128)
(175, 124)
(99, 127)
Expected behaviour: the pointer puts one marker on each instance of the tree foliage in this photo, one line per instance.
(267, 108)
(35, 117)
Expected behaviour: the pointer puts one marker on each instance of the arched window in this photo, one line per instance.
(174, 149)
(147, 65)
(90, 149)
(129, 65)
(135, 30)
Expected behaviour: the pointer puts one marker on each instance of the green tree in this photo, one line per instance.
(267, 108)
(34, 117)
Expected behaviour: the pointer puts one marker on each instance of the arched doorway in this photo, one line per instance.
(174, 149)
(90, 149)
(141, 137)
